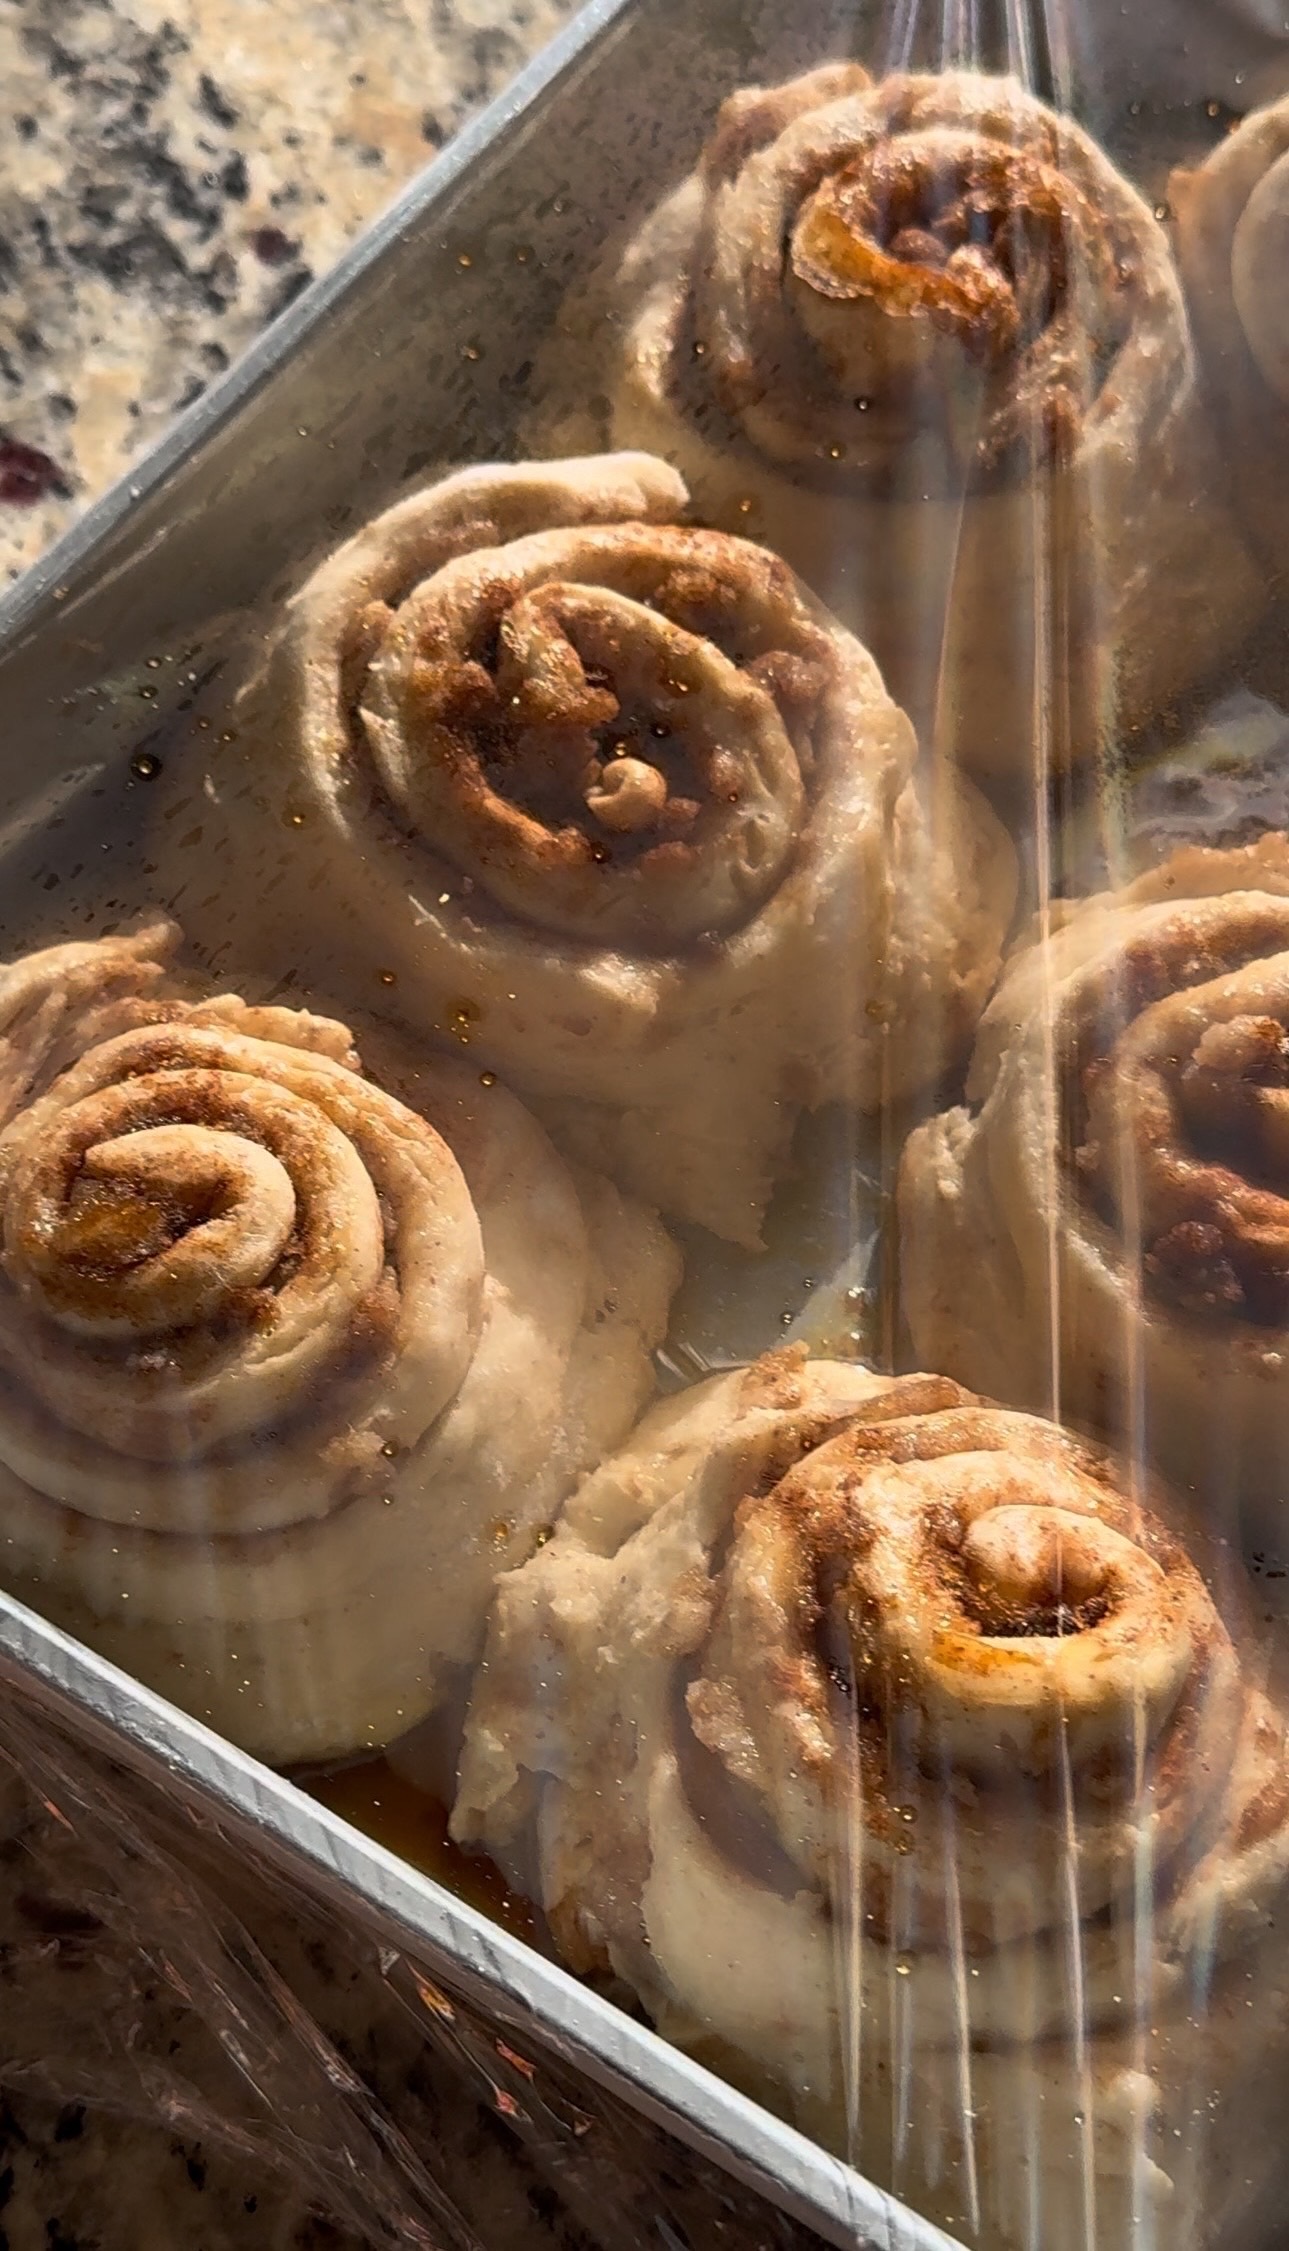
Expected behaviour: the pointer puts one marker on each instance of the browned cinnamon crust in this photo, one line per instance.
(615, 803)
(261, 1324)
(910, 1703)
(923, 338)
(572, 724)
(1131, 1092)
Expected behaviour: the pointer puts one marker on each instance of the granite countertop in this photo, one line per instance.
(171, 177)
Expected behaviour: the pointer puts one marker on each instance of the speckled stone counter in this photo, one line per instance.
(172, 175)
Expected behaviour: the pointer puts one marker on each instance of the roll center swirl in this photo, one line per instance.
(602, 708)
(949, 1612)
(1187, 1147)
(942, 260)
(159, 1203)
(205, 1234)
(608, 731)
(162, 1229)
(978, 244)
(1042, 1572)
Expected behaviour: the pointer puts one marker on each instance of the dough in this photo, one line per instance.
(924, 339)
(1102, 1230)
(538, 768)
(1232, 227)
(293, 1360)
(899, 1759)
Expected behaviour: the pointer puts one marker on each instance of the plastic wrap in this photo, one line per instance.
(163, 1974)
(643, 1064)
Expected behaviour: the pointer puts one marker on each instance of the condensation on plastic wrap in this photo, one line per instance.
(131, 1988)
(160, 1973)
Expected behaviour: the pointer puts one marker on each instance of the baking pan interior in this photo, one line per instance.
(416, 353)
(419, 352)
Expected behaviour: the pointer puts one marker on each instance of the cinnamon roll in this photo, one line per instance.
(901, 1762)
(1232, 231)
(613, 803)
(1104, 1225)
(293, 1361)
(923, 338)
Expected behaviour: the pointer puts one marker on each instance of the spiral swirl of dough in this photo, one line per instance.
(923, 338)
(263, 1323)
(944, 237)
(613, 802)
(1232, 228)
(1126, 1139)
(204, 1236)
(927, 1742)
(613, 770)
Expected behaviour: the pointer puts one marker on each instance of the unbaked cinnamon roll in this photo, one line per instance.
(614, 804)
(1232, 228)
(292, 1362)
(900, 1761)
(923, 338)
(1104, 1225)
